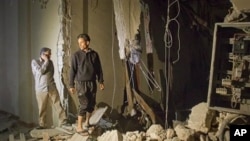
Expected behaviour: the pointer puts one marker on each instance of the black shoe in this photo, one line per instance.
(40, 127)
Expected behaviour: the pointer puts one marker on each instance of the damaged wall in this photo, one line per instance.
(104, 41)
(36, 26)
(102, 30)
(44, 32)
(26, 27)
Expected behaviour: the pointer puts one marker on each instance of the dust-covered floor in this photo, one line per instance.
(202, 124)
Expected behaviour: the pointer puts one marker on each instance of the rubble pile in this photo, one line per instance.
(200, 126)
(196, 128)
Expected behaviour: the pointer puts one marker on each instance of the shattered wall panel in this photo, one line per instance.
(126, 24)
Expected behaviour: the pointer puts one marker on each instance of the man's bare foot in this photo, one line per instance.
(79, 130)
(82, 132)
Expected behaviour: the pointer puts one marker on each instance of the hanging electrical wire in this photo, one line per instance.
(168, 39)
(113, 63)
(134, 58)
(148, 76)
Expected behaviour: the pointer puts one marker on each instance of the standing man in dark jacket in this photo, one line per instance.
(45, 87)
(85, 70)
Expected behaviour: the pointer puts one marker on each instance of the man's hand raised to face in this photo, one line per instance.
(45, 57)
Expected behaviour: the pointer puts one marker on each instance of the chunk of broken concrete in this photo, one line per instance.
(200, 118)
(184, 133)
(39, 133)
(112, 135)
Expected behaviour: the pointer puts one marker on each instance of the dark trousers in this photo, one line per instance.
(86, 91)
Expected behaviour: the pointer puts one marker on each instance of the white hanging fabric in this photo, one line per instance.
(127, 20)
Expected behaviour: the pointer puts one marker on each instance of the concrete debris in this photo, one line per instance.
(202, 138)
(78, 137)
(199, 126)
(174, 139)
(201, 118)
(156, 132)
(46, 136)
(156, 128)
(39, 133)
(184, 133)
(97, 115)
(61, 137)
(212, 136)
(170, 133)
(105, 124)
(134, 136)
(12, 138)
(66, 130)
(8, 127)
(112, 135)
(6, 122)
(239, 12)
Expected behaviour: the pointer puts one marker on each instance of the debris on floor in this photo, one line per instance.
(200, 125)
(11, 128)
(35, 133)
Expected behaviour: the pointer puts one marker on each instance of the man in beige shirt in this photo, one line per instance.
(45, 87)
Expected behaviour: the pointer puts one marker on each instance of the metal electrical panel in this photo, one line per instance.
(229, 83)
